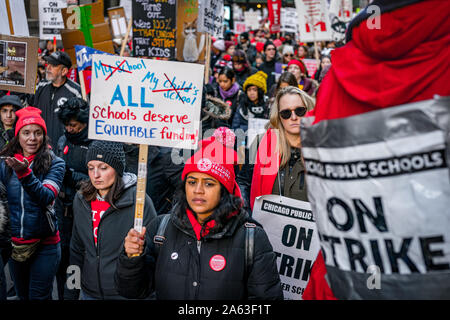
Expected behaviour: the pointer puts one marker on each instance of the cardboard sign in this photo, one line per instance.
(190, 42)
(314, 22)
(83, 25)
(211, 17)
(117, 22)
(379, 188)
(18, 63)
(154, 28)
(50, 18)
(291, 228)
(145, 101)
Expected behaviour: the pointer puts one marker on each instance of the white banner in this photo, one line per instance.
(340, 14)
(145, 101)
(50, 18)
(291, 228)
(211, 17)
(314, 22)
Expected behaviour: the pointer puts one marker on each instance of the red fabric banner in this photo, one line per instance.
(274, 7)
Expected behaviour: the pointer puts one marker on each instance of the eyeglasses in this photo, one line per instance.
(270, 49)
(299, 112)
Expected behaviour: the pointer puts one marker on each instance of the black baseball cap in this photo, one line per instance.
(59, 57)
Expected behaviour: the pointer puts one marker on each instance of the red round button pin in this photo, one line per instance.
(217, 262)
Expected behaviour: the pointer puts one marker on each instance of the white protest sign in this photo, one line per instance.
(13, 11)
(251, 19)
(50, 18)
(314, 22)
(381, 196)
(289, 20)
(211, 17)
(291, 228)
(145, 101)
(340, 14)
(255, 126)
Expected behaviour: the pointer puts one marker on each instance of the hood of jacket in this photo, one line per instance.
(396, 61)
(128, 196)
(216, 108)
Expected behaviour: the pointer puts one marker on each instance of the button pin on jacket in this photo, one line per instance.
(174, 256)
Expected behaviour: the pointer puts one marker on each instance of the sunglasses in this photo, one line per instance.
(299, 112)
(270, 49)
(288, 55)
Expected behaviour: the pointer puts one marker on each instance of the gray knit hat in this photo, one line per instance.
(109, 152)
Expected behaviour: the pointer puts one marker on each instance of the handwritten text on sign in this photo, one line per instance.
(292, 231)
(145, 101)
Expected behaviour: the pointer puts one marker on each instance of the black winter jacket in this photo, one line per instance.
(183, 271)
(48, 98)
(98, 263)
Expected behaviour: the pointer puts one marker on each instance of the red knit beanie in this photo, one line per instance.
(216, 157)
(29, 115)
(298, 63)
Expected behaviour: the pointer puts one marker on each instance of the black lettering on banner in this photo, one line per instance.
(377, 168)
(428, 254)
(402, 254)
(290, 234)
(356, 255)
(361, 210)
(287, 211)
(292, 268)
(332, 202)
(376, 254)
(333, 241)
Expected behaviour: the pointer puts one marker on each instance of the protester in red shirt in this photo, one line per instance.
(104, 211)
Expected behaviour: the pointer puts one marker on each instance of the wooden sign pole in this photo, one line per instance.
(207, 57)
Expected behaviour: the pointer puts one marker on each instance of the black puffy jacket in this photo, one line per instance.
(98, 263)
(183, 268)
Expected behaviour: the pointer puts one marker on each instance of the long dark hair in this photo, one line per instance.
(228, 204)
(42, 160)
(89, 192)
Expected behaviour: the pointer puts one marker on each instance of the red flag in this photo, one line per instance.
(274, 7)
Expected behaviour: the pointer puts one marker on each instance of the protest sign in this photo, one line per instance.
(211, 17)
(117, 21)
(18, 63)
(274, 7)
(251, 19)
(145, 101)
(340, 15)
(289, 20)
(154, 28)
(239, 27)
(13, 18)
(191, 44)
(255, 126)
(311, 66)
(50, 18)
(379, 188)
(314, 22)
(291, 228)
(84, 63)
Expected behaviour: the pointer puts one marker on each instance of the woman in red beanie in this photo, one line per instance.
(33, 176)
(201, 253)
(298, 68)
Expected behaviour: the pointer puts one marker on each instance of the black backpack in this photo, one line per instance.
(159, 239)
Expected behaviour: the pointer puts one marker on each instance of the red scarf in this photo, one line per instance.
(200, 232)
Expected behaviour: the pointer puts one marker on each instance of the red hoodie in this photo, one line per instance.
(406, 60)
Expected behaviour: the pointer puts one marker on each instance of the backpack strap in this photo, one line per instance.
(249, 245)
(159, 237)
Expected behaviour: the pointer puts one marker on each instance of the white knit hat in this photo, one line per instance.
(288, 49)
(219, 44)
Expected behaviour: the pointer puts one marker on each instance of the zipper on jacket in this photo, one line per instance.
(199, 245)
(23, 212)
